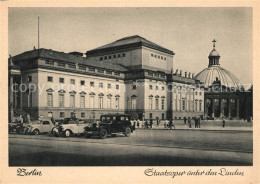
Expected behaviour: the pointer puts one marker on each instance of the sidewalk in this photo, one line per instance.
(231, 125)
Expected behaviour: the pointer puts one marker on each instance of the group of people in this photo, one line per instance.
(196, 121)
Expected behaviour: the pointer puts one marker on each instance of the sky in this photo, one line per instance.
(188, 32)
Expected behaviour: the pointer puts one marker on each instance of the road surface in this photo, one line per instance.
(142, 148)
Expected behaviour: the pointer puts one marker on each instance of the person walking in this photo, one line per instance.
(138, 123)
(185, 120)
(198, 121)
(151, 123)
(223, 121)
(157, 122)
(189, 122)
(170, 124)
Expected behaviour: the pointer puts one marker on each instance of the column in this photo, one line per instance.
(213, 108)
(180, 100)
(237, 101)
(206, 112)
(193, 100)
(221, 107)
(11, 98)
(229, 107)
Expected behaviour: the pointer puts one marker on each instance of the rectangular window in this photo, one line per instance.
(109, 103)
(183, 105)
(123, 55)
(83, 115)
(164, 58)
(117, 103)
(91, 69)
(109, 57)
(101, 58)
(72, 66)
(200, 93)
(101, 102)
(105, 58)
(134, 86)
(50, 100)
(48, 62)
(92, 84)
(150, 87)
(101, 85)
(151, 115)
(114, 56)
(118, 55)
(50, 79)
(133, 103)
(109, 72)
(163, 88)
(108, 86)
(61, 80)
(200, 106)
(196, 106)
(91, 102)
(61, 100)
(82, 82)
(61, 64)
(62, 114)
(162, 104)
(155, 55)
(116, 73)
(151, 55)
(72, 101)
(150, 103)
(100, 71)
(29, 79)
(157, 104)
(72, 81)
(81, 67)
(196, 93)
(117, 86)
(157, 87)
(82, 101)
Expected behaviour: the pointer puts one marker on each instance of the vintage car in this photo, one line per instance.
(70, 126)
(111, 124)
(39, 126)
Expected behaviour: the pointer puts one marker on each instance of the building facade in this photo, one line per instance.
(225, 96)
(131, 75)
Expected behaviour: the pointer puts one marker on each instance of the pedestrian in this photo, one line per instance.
(146, 124)
(170, 124)
(189, 122)
(185, 120)
(198, 121)
(151, 123)
(53, 121)
(138, 123)
(134, 123)
(224, 122)
(166, 123)
(157, 122)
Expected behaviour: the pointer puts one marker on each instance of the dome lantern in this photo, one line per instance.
(214, 56)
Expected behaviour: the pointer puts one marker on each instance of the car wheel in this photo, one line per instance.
(103, 133)
(67, 133)
(36, 132)
(127, 131)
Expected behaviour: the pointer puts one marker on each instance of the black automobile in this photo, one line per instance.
(111, 124)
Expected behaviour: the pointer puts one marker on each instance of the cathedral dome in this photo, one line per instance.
(213, 53)
(216, 73)
(213, 73)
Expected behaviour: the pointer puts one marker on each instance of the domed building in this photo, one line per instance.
(222, 89)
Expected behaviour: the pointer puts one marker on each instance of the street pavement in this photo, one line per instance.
(157, 147)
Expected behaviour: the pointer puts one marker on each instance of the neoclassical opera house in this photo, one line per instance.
(224, 94)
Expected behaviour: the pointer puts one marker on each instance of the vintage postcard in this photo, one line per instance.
(129, 92)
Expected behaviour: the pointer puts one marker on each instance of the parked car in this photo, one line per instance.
(70, 126)
(39, 126)
(111, 124)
